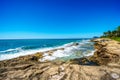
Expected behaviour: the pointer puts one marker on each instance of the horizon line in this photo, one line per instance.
(45, 38)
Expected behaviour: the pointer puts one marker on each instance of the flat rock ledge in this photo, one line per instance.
(29, 67)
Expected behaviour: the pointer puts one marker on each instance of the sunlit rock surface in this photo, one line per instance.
(30, 68)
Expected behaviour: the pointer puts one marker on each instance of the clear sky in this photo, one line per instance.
(57, 18)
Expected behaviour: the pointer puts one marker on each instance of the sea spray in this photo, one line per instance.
(70, 50)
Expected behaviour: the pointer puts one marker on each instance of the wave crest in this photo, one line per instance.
(69, 49)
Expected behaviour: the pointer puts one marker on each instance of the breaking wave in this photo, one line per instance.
(85, 48)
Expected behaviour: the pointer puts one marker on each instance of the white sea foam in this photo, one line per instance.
(68, 50)
(90, 54)
(20, 53)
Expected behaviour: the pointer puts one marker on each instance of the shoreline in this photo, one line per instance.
(50, 53)
(105, 65)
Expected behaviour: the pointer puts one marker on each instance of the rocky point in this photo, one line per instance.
(106, 65)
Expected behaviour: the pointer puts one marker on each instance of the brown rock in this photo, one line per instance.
(106, 51)
(29, 68)
(61, 49)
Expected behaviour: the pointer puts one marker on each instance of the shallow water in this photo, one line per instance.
(19, 47)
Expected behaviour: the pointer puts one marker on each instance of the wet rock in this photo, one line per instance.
(75, 44)
(83, 61)
(29, 68)
(36, 56)
(61, 49)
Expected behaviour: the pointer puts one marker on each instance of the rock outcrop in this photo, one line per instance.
(30, 68)
(106, 51)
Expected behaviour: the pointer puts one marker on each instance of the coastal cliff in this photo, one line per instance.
(106, 58)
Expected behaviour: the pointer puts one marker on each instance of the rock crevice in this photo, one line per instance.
(107, 55)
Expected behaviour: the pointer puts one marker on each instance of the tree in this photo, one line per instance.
(109, 33)
(114, 33)
(118, 31)
(105, 34)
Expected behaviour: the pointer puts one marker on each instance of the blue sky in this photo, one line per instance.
(57, 18)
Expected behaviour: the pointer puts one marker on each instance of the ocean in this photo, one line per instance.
(12, 48)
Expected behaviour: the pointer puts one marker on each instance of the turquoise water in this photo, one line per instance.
(18, 47)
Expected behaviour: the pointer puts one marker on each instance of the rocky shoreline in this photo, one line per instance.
(106, 51)
(103, 65)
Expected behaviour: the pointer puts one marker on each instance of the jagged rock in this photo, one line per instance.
(36, 56)
(29, 68)
(106, 51)
(75, 44)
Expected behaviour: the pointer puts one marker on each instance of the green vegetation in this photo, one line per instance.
(116, 38)
(115, 34)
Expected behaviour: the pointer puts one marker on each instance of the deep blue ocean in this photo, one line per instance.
(11, 48)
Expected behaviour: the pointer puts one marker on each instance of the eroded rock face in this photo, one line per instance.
(29, 68)
(107, 51)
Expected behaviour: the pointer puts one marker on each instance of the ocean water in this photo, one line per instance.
(11, 48)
